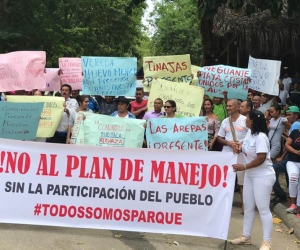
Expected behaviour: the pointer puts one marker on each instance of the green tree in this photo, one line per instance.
(208, 8)
(72, 28)
(176, 27)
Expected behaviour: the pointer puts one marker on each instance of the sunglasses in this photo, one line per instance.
(167, 107)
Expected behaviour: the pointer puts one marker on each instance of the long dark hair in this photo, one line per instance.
(81, 98)
(259, 123)
(173, 104)
(212, 105)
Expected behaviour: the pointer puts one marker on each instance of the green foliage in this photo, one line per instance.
(177, 29)
(72, 28)
(208, 8)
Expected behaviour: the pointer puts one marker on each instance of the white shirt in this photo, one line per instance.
(122, 116)
(252, 145)
(261, 109)
(71, 105)
(286, 83)
(283, 95)
(266, 105)
(240, 130)
(73, 115)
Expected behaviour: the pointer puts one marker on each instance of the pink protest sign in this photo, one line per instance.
(22, 70)
(52, 80)
(71, 72)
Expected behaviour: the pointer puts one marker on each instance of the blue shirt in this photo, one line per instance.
(130, 115)
(295, 125)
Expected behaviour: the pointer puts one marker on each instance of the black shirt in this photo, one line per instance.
(295, 136)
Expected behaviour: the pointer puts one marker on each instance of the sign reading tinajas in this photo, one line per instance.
(109, 76)
(116, 188)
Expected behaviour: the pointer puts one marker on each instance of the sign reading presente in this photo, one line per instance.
(178, 133)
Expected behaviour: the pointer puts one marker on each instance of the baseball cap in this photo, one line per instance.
(293, 109)
(122, 99)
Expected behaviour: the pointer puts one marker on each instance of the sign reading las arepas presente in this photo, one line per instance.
(116, 188)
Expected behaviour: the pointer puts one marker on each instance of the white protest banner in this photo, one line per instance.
(106, 131)
(178, 133)
(219, 78)
(143, 190)
(265, 75)
(22, 70)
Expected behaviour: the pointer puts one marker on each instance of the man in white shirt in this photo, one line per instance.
(231, 139)
(287, 82)
(257, 104)
(266, 101)
(283, 95)
(70, 105)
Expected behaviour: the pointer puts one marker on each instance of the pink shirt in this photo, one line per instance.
(136, 106)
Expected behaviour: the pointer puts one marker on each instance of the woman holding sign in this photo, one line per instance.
(170, 110)
(259, 179)
(83, 102)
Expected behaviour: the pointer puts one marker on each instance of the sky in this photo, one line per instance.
(147, 12)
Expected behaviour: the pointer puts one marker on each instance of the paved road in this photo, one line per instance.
(21, 237)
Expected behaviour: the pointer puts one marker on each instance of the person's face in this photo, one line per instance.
(122, 107)
(281, 86)
(158, 105)
(274, 113)
(207, 106)
(139, 95)
(265, 98)
(85, 103)
(248, 122)
(232, 107)
(296, 86)
(75, 93)
(169, 109)
(291, 117)
(65, 92)
(250, 96)
(38, 93)
(244, 110)
(218, 100)
(256, 101)
(109, 99)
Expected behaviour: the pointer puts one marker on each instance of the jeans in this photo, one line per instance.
(293, 169)
(280, 167)
(257, 190)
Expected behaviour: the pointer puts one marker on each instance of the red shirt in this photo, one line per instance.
(136, 106)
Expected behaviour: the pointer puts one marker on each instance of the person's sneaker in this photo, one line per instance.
(278, 199)
(266, 246)
(292, 209)
(298, 216)
(241, 241)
